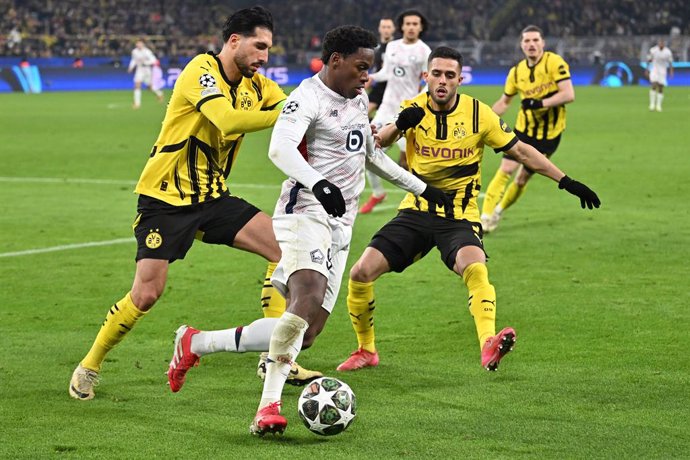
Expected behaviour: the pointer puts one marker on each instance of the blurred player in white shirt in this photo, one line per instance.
(660, 59)
(403, 64)
(142, 63)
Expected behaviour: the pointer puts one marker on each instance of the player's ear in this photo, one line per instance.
(335, 59)
(425, 76)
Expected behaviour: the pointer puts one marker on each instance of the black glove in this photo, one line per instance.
(330, 198)
(587, 196)
(436, 196)
(409, 118)
(532, 104)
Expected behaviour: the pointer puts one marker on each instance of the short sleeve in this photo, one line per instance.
(272, 94)
(199, 85)
(560, 70)
(510, 89)
(495, 132)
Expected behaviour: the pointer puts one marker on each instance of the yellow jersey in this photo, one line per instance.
(445, 150)
(204, 125)
(539, 82)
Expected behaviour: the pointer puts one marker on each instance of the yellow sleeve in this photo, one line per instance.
(560, 70)
(273, 95)
(495, 132)
(199, 86)
(510, 89)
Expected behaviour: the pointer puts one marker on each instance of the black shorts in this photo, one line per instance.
(376, 94)
(166, 232)
(410, 235)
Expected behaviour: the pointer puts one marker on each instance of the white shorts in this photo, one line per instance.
(310, 242)
(658, 77)
(143, 75)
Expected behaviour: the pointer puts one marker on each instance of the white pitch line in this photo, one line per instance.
(66, 247)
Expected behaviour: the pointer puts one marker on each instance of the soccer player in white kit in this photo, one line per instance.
(322, 141)
(660, 59)
(142, 63)
(403, 64)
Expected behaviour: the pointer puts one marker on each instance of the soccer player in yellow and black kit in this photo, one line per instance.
(183, 193)
(543, 81)
(446, 133)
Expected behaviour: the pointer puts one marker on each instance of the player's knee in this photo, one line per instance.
(362, 273)
(310, 336)
(145, 296)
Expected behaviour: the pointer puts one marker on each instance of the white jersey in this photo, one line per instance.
(402, 69)
(142, 57)
(660, 60)
(333, 136)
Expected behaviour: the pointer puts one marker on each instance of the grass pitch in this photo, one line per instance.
(598, 299)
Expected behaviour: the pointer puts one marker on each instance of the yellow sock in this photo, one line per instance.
(272, 303)
(494, 191)
(360, 304)
(512, 194)
(119, 321)
(482, 300)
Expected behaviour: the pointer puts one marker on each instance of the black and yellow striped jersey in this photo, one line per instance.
(445, 150)
(204, 125)
(539, 82)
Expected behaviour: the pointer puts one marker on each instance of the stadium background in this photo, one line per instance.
(599, 299)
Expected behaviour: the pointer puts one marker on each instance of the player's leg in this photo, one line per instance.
(378, 194)
(659, 96)
(149, 282)
(652, 95)
(470, 263)
(395, 246)
(302, 275)
(514, 191)
(235, 222)
(137, 94)
(495, 192)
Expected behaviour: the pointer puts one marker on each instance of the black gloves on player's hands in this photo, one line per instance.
(409, 118)
(587, 196)
(532, 104)
(436, 196)
(330, 198)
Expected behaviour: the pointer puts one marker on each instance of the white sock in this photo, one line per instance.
(137, 97)
(498, 209)
(286, 343)
(376, 184)
(254, 337)
(659, 99)
(158, 92)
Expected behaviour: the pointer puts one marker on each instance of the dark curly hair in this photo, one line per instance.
(346, 40)
(446, 52)
(401, 18)
(244, 22)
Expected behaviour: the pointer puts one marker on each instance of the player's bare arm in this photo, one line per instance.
(533, 159)
(565, 95)
(502, 104)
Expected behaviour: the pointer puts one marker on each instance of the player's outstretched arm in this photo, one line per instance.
(502, 104)
(407, 118)
(534, 160)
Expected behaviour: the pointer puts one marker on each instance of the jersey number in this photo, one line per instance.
(355, 140)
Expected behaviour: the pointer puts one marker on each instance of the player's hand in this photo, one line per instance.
(531, 104)
(409, 118)
(436, 196)
(587, 196)
(330, 198)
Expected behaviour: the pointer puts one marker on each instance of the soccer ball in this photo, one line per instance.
(327, 406)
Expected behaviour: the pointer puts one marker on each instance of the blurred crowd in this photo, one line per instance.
(183, 28)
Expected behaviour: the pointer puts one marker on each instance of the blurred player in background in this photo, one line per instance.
(458, 127)
(403, 64)
(543, 82)
(660, 60)
(182, 190)
(141, 64)
(386, 33)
